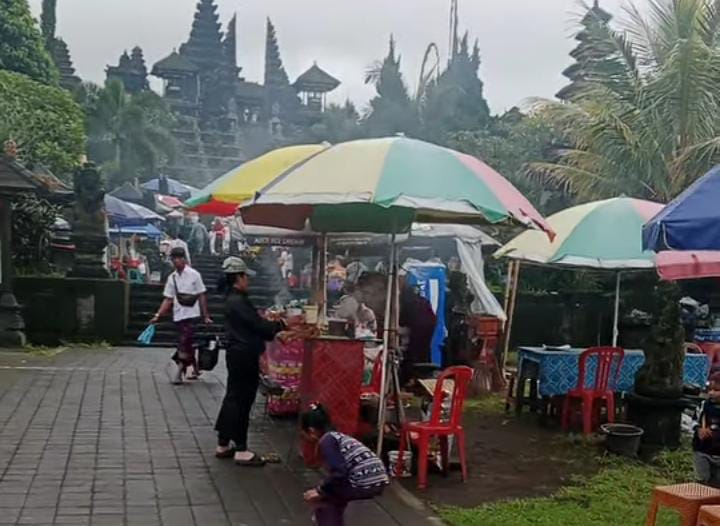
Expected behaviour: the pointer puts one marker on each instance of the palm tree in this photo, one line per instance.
(647, 121)
(129, 135)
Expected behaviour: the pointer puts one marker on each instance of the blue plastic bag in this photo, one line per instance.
(147, 335)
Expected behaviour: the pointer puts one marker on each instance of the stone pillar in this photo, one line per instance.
(89, 224)
(12, 325)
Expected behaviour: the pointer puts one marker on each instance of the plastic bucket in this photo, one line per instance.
(406, 469)
(622, 439)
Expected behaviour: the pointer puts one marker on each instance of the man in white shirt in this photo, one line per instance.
(185, 294)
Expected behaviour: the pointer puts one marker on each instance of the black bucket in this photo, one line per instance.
(622, 439)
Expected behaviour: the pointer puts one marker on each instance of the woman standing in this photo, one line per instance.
(246, 334)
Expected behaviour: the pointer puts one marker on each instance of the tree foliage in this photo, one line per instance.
(48, 23)
(646, 122)
(129, 134)
(338, 124)
(32, 219)
(391, 110)
(22, 47)
(455, 102)
(44, 121)
(508, 144)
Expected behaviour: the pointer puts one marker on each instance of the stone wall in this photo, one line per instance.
(73, 309)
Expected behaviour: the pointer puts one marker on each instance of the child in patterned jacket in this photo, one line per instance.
(353, 471)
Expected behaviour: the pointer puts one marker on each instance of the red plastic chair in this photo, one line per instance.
(608, 365)
(439, 427)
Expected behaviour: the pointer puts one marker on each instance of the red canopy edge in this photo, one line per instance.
(675, 264)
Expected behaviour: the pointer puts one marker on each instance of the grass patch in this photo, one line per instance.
(491, 404)
(101, 345)
(44, 351)
(618, 494)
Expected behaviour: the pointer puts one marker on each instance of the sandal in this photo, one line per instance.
(228, 453)
(254, 462)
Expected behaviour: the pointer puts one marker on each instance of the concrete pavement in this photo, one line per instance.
(100, 437)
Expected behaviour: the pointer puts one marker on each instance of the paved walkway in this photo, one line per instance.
(102, 438)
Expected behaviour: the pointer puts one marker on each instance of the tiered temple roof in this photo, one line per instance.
(204, 48)
(131, 71)
(174, 65)
(63, 61)
(316, 80)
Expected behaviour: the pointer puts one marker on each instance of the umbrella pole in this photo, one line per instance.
(616, 316)
(387, 322)
(323, 277)
(513, 278)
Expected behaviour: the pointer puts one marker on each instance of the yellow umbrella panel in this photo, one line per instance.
(222, 196)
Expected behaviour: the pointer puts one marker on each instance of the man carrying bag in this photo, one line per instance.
(185, 294)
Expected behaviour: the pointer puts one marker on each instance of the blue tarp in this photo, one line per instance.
(691, 221)
(430, 279)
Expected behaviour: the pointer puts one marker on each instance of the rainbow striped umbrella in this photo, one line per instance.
(384, 185)
(600, 235)
(603, 234)
(222, 196)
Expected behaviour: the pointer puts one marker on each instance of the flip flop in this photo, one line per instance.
(254, 462)
(228, 453)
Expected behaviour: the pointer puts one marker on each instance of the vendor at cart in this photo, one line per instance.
(351, 307)
(246, 333)
(417, 319)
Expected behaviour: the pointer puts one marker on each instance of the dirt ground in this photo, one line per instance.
(509, 458)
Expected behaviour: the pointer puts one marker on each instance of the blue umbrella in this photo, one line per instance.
(175, 188)
(691, 221)
(124, 213)
(141, 230)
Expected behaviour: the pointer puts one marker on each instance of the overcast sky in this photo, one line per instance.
(524, 43)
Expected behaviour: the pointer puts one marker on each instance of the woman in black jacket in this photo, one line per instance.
(246, 334)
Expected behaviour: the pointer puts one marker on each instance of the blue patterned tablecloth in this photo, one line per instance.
(558, 369)
(707, 335)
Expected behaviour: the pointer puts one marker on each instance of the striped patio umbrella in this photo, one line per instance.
(384, 185)
(599, 235)
(222, 196)
(603, 234)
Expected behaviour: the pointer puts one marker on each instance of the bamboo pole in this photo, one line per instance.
(512, 297)
(616, 314)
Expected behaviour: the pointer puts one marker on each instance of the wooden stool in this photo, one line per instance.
(709, 516)
(514, 386)
(686, 499)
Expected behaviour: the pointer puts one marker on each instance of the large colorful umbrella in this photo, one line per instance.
(600, 235)
(603, 234)
(384, 185)
(222, 196)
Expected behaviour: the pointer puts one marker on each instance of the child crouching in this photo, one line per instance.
(353, 471)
